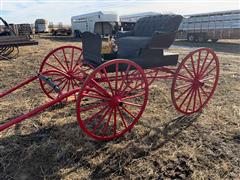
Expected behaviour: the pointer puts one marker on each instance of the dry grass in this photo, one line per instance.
(164, 144)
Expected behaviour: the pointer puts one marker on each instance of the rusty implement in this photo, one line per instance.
(10, 42)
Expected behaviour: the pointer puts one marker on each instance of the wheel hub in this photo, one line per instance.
(115, 102)
(198, 83)
(70, 75)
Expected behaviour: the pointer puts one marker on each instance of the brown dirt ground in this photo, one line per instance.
(164, 144)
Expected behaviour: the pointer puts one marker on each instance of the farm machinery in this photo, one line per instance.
(111, 90)
(10, 42)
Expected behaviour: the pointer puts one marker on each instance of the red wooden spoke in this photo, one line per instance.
(73, 87)
(204, 92)
(208, 85)
(183, 93)
(195, 99)
(184, 78)
(54, 67)
(194, 70)
(109, 83)
(190, 100)
(199, 96)
(125, 94)
(122, 118)
(116, 80)
(77, 61)
(131, 104)
(75, 82)
(204, 75)
(100, 88)
(101, 120)
(93, 90)
(68, 87)
(55, 80)
(204, 61)
(72, 57)
(108, 121)
(65, 58)
(128, 112)
(94, 106)
(90, 119)
(95, 96)
(198, 62)
(66, 83)
(56, 57)
(186, 97)
(208, 78)
(188, 70)
(52, 74)
(183, 86)
(133, 96)
(207, 67)
(115, 121)
(124, 77)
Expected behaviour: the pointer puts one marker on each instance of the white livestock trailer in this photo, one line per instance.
(101, 22)
(213, 26)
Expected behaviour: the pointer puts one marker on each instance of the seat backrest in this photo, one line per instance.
(91, 44)
(146, 26)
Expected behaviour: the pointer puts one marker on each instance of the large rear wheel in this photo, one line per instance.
(111, 102)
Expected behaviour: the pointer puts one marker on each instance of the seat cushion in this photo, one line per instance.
(146, 26)
(128, 47)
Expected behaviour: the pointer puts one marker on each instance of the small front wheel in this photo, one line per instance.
(195, 81)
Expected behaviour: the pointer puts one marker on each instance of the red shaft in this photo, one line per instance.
(18, 86)
(37, 110)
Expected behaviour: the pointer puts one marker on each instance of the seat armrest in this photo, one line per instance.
(162, 39)
(124, 34)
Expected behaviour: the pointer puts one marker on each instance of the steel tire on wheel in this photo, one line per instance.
(195, 81)
(111, 102)
(64, 66)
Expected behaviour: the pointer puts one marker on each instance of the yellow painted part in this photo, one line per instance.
(106, 47)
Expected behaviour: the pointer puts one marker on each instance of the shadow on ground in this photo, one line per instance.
(44, 153)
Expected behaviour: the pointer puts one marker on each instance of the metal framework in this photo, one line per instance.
(111, 98)
(10, 43)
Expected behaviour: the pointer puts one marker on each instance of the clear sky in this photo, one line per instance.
(26, 11)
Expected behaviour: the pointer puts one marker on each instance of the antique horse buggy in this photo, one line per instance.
(111, 90)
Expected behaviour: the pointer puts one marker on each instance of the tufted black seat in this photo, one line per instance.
(153, 32)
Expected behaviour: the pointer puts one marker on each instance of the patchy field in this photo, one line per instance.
(164, 144)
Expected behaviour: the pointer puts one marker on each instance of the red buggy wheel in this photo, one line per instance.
(64, 66)
(111, 102)
(195, 80)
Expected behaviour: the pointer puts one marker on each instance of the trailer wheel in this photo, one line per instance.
(195, 81)
(111, 103)
(191, 38)
(214, 40)
(64, 66)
